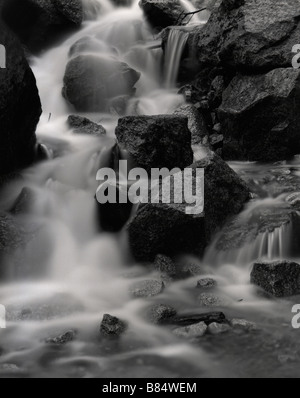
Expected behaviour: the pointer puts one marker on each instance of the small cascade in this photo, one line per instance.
(268, 245)
(176, 44)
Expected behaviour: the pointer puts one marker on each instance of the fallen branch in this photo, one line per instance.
(184, 15)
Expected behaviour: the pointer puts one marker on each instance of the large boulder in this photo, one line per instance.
(169, 229)
(280, 279)
(156, 141)
(20, 107)
(91, 81)
(250, 35)
(260, 116)
(162, 13)
(37, 22)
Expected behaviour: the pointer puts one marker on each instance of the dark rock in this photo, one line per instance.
(192, 331)
(168, 229)
(82, 125)
(39, 22)
(217, 328)
(250, 35)
(20, 107)
(206, 283)
(161, 313)
(112, 326)
(171, 270)
(156, 141)
(63, 339)
(207, 318)
(162, 13)
(280, 279)
(196, 122)
(148, 288)
(25, 202)
(12, 234)
(165, 265)
(91, 81)
(260, 116)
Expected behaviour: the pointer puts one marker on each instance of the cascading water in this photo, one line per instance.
(175, 47)
(69, 275)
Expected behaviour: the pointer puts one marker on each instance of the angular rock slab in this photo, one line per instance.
(260, 116)
(156, 141)
(280, 279)
(167, 229)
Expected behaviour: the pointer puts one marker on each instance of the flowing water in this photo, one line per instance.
(70, 275)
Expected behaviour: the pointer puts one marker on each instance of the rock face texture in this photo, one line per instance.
(91, 81)
(168, 229)
(260, 116)
(82, 125)
(251, 35)
(156, 141)
(20, 107)
(280, 279)
(246, 48)
(37, 22)
(162, 13)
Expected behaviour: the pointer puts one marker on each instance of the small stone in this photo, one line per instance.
(210, 300)
(148, 288)
(63, 339)
(218, 328)
(159, 313)
(112, 326)
(242, 324)
(165, 265)
(206, 283)
(82, 125)
(193, 331)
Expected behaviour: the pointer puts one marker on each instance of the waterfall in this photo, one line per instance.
(175, 47)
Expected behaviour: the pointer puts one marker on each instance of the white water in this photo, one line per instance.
(70, 275)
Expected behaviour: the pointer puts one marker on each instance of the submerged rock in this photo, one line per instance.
(63, 339)
(20, 107)
(90, 81)
(148, 288)
(24, 202)
(243, 325)
(193, 331)
(156, 141)
(206, 283)
(280, 279)
(260, 116)
(161, 313)
(112, 326)
(38, 22)
(82, 125)
(210, 300)
(168, 229)
(218, 328)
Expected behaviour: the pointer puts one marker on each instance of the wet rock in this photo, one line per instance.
(162, 13)
(161, 313)
(90, 81)
(243, 325)
(191, 332)
(24, 202)
(39, 22)
(191, 319)
(82, 125)
(294, 200)
(263, 125)
(218, 328)
(20, 107)
(63, 339)
(168, 229)
(148, 288)
(196, 122)
(88, 45)
(280, 279)
(210, 300)
(12, 234)
(11, 369)
(250, 35)
(112, 326)
(156, 141)
(206, 283)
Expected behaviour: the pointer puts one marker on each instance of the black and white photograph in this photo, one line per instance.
(149, 192)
